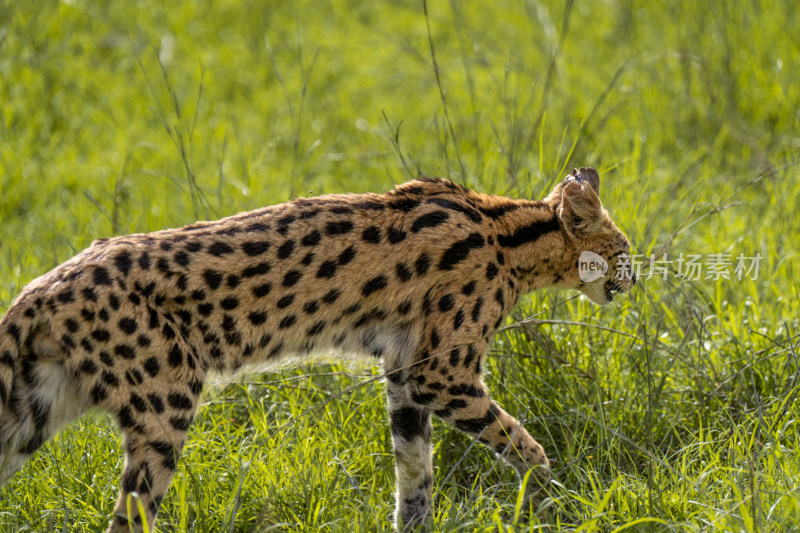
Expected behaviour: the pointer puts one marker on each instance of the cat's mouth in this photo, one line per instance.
(612, 288)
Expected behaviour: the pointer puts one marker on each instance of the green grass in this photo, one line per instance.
(674, 409)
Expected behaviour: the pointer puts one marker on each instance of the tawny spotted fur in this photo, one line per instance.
(421, 277)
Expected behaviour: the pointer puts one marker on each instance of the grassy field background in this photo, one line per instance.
(673, 409)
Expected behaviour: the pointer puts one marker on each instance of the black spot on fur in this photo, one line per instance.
(287, 322)
(452, 406)
(371, 235)
(106, 358)
(285, 301)
(175, 356)
(436, 338)
(166, 450)
(472, 353)
(123, 262)
(284, 223)
(88, 367)
(491, 271)
(168, 332)
(180, 423)
(423, 264)
(257, 317)
(67, 343)
(257, 226)
(254, 248)
(404, 204)
(181, 258)
(130, 478)
(125, 417)
(370, 316)
(212, 278)
(256, 270)
(229, 303)
(163, 265)
(220, 248)
(498, 211)
(179, 401)
(460, 250)
(458, 320)
(184, 315)
(196, 386)
(291, 278)
(144, 261)
(99, 393)
(331, 296)
(455, 356)
(476, 310)
(471, 213)
(265, 340)
(317, 328)
(156, 403)
(404, 308)
(275, 350)
(327, 270)
(529, 233)
(127, 325)
(339, 227)
(89, 294)
(469, 288)
(124, 350)
(446, 303)
(259, 291)
(347, 255)
(426, 303)
(312, 239)
(370, 206)
(151, 366)
(410, 422)
(498, 296)
(286, 249)
(402, 271)
(375, 284)
(395, 235)
(476, 425)
(65, 296)
(423, 399)
(147, 290)
(137, 402)
(228, 323)
(466, 389)
(356, 307)
(429, 220)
